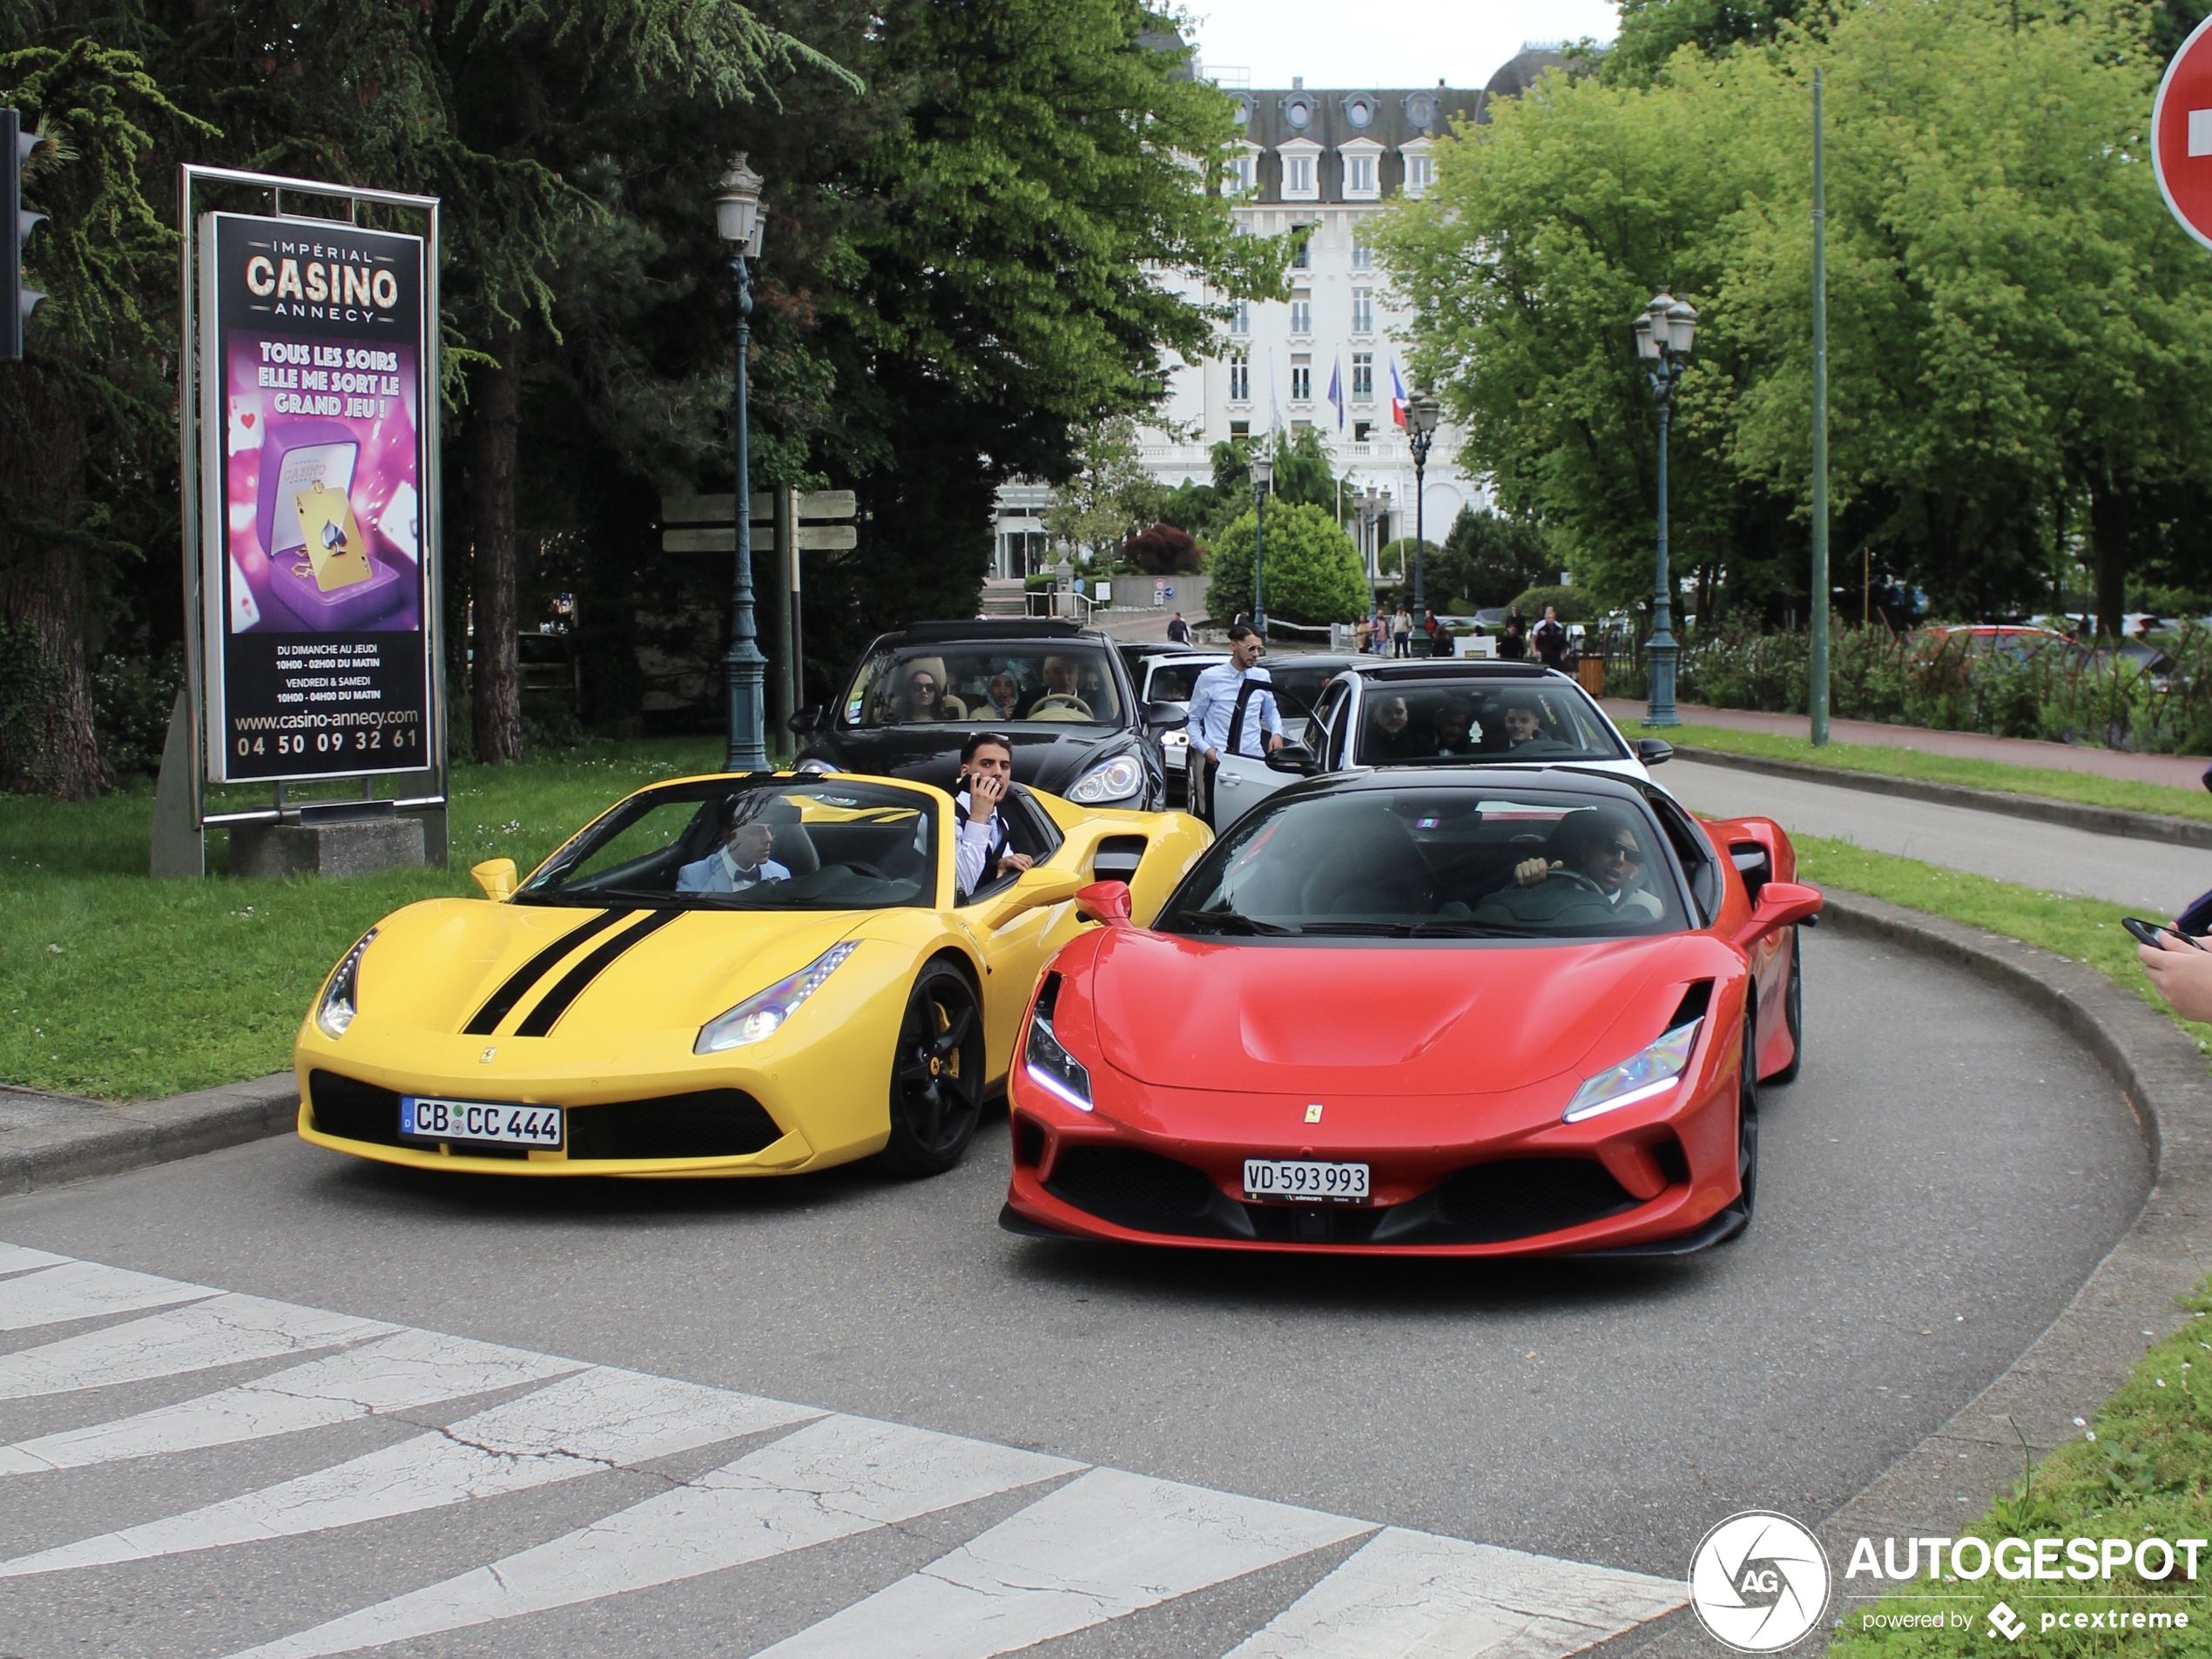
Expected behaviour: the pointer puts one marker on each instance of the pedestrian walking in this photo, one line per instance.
(1213, 704)
(1178, 629)
(1431, 627)
(1513, 644)
(1401, 632)
(1550, 640)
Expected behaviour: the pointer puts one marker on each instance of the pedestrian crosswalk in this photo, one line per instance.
(1060, 1548)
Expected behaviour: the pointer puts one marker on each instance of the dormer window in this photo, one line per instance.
(1244, 172)
(1420, 165)
(1301, 169)
(1359, 111)
(1362, 170)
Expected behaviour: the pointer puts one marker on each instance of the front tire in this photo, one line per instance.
(936, 1074)
(1793, 1011)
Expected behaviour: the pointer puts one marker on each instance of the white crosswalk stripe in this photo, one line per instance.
(1099, 1548)
(832, 1479)
(405, 1371)
(1090, 1546)
(85, 1291)
(227, 1330)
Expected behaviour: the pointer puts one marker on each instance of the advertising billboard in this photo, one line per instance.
(314, 559)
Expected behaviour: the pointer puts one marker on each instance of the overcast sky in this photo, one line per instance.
(1383, 43)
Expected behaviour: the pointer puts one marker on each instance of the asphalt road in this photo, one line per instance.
(1934, 1189)
(2158, 878)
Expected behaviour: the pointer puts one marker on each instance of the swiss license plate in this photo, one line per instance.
(1304, 1181)
(424, 1119)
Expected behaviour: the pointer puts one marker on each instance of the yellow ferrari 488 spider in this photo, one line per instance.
(742, 975)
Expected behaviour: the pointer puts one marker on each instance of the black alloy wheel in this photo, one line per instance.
(936, 1074)
(1793, 1011)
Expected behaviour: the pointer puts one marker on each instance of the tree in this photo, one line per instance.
(1163, 550)
(1313, 572)
(1488, 559)
(1110, 499)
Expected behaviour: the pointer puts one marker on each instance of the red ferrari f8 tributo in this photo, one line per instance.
(1519, 1011)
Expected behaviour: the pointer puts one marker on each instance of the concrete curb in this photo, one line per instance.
(54, 1139)
(2098, 820)
(2086, 1352)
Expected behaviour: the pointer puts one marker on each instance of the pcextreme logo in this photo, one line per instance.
(2003, 1621)
(1759, 1582)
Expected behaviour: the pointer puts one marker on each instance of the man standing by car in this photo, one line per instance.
(1550, 640)
(1213, 703)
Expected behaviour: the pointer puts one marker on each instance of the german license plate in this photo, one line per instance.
(1304, 1181)
(425, 1119)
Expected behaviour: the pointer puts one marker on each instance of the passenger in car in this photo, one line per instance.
(739, 862)
(1456, 732)
(1006, 696)
(1522, 720)
(1387, 728)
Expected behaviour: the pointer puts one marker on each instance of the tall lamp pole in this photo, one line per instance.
(1423, 410)
(1816, 688)
(1263, 479)
(1665, 330)
(741, 218)
(1370, 503)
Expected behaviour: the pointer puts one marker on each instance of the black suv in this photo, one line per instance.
(1059, 692)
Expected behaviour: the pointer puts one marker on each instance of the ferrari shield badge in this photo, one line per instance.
(1313, 1113)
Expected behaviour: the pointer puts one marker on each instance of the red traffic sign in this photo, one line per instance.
(2180, 134)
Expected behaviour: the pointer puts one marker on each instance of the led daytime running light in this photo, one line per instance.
(335, 1012)
(1644, 1076)
(762, 1016)
(1052, 1067)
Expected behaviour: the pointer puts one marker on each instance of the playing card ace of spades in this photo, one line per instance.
(334, 545)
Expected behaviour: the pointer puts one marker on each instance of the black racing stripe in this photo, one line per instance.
(519, 982)
(555, 1002)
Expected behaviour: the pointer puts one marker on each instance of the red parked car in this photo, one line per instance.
(1518, 1011)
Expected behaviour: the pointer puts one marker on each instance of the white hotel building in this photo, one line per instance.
(1325, 162)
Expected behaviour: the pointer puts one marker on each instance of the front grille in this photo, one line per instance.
(1140, 1190)
(715, 1123)
(1488, 1203)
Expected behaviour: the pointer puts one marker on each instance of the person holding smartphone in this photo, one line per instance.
(983, 850)
(2179, 967)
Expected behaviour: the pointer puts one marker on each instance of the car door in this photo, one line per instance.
(1240, 783)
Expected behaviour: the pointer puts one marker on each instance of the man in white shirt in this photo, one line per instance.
(983, 850)
(741, 861)
(1213, 704)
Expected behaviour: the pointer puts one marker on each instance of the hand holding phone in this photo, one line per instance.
(2154, 934)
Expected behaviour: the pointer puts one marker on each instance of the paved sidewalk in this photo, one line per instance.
(2182, 772)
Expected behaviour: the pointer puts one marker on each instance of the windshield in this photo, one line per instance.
(1173, 682)
(791, 845)
(1016, 684)
(1434, 863)
(1402, 724)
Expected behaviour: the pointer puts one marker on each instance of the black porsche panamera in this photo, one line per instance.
(1059, 692)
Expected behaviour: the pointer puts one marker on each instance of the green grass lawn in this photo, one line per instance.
(120, 987)
(2084, 788)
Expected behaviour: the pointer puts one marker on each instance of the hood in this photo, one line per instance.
(435, 966)
(1442, 1020)
(1043, 759)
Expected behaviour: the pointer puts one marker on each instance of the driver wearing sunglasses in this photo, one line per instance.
(1604, 847)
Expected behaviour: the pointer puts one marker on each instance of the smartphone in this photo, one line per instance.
(2150, 933)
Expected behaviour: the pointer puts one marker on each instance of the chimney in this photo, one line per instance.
(1298, 82)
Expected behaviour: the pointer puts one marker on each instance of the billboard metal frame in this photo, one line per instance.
(193, 180)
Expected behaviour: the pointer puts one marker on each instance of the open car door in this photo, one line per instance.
(1240, 783)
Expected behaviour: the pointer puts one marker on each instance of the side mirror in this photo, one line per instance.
(495, 877)
(1293, 757)
(1033, 890)
(1653, 751)
(1781, 904)
(1165, 714)
(806, 720)
(1106, 902)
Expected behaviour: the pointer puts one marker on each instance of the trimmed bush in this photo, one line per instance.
(1313, 572)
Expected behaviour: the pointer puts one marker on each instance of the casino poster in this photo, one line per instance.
(312, 549)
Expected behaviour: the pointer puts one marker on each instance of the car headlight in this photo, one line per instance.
(1651, 1072)
(811, 764)
(1175, 739)
(335, 1012)
(1116, 779)
(1046, 1063)
(763, 1015)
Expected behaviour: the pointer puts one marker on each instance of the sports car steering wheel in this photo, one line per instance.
(1063, 700)
(1577, 877)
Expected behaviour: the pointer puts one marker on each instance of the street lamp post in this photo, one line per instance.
(1665, 330)
(741, 218)
(1370, 505)
(1423, 410)
(1263, 478)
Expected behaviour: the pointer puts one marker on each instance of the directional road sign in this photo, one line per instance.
(2180, 134)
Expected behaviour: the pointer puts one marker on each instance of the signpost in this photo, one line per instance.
(2180, 134)
(310, 527)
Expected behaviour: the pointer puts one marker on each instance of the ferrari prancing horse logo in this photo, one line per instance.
(1313, 1113)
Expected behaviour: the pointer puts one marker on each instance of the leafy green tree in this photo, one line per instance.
(1313, 572)
(1488, 559)
(1110, 498)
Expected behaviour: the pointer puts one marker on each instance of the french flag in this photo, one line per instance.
(1397, 396)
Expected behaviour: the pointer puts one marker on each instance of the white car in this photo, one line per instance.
(1163, 682)
(1439, 712)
